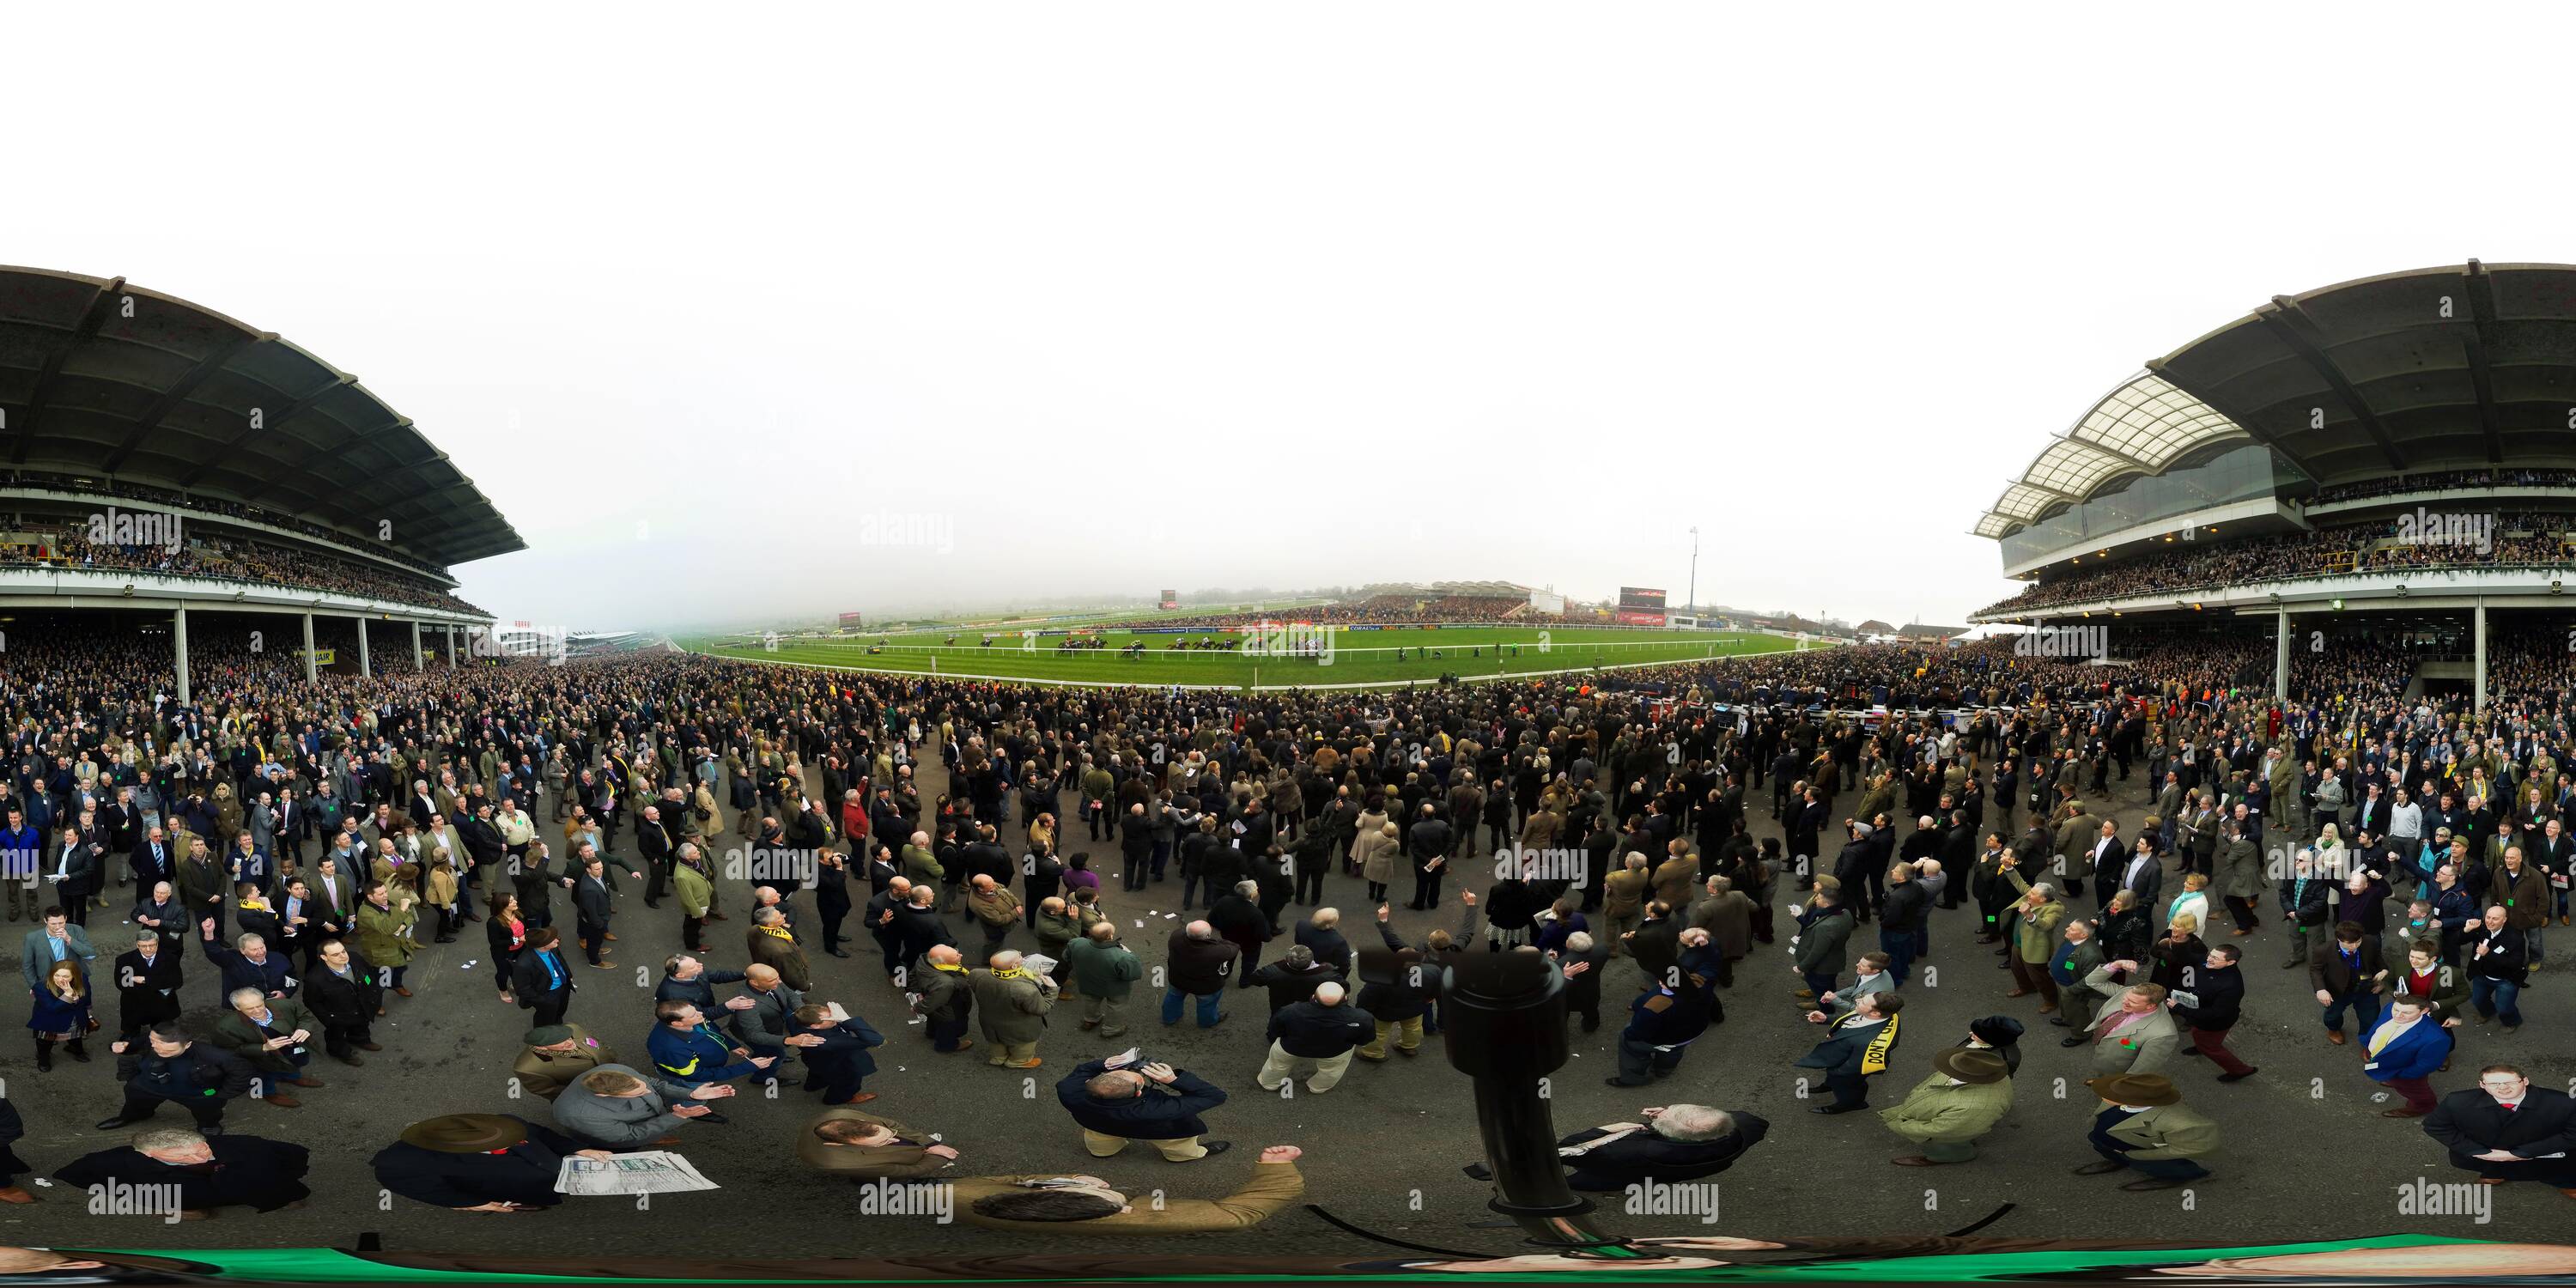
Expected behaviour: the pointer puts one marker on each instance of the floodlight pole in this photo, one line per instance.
(2281, 654)
(1692, 603)
(2478, 699)
(179, 638)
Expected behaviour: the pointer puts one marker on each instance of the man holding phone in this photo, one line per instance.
(1117, 1100)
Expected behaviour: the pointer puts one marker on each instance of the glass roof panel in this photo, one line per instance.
(2072, 468)
(2146, 423)
(2024, 502)
(2152, 421)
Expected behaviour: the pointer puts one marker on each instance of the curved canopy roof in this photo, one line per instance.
(2426, 370)
(104, 379)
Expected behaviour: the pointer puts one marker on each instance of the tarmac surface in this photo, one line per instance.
(2307, 1156)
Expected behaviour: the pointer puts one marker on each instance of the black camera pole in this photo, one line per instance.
(1502, 1019)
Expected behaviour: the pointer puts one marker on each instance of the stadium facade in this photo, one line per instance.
(2391, 458)
(165, 462)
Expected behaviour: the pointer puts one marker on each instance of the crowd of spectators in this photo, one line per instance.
(2186, 567)
(230, 558)
(2441, 480)
(126, 490)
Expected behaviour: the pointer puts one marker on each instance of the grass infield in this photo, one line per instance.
(1356, 657)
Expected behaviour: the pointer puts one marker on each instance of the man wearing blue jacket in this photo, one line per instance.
(22, 848)
(687, 1049)
(1154, 1103)
(836, 1054)
(1667, 1018)
(249, 964)
(2403, 1051)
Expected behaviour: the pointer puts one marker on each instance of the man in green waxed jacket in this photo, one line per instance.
(1104, 972)
(1968, 1092)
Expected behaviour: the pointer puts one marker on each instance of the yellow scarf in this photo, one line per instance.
(953, 970)
(1873, 1059)
(780, 931)
(1010, 973)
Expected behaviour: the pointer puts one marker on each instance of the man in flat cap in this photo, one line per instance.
(555, 1055)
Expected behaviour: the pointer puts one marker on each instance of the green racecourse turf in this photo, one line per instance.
(1359, 657)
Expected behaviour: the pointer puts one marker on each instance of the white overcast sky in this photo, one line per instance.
(725, 305)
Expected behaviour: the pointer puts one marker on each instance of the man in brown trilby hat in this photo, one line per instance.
(1968, 1092)
(479, 1163)
(2144, 1125)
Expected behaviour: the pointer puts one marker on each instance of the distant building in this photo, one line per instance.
(1925, 633)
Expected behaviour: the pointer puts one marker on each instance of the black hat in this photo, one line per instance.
(1996, 1030)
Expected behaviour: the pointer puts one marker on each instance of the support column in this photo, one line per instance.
(416, 663)
(451, 648)
(2481, 687)
(311, 671)
(364, 666)
(2281, 657)
(179, 638)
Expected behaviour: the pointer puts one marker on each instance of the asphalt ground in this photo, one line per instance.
(2307, 1156)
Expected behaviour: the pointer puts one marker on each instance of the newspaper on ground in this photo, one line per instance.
(651, 1171)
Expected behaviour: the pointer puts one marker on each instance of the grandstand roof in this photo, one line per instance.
(163, 393)
(2430, 369)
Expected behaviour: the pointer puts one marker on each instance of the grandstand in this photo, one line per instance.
(1442, 601)
(2380, 468)
(163, 465)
